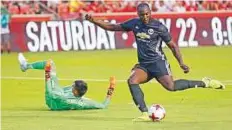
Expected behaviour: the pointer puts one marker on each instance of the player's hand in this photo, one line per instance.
(89, 17)
(185, 68)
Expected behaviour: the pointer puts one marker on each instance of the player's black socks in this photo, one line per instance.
(138, 97)
(182, 84)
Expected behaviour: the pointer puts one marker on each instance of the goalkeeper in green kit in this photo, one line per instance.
(69, 97)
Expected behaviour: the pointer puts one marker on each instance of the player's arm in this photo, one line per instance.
(104, 25)
(176, 52)
(166, 37)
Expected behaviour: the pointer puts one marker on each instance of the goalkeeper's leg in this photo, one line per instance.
(24, 65)
(52, 89)
(48, 66)
(51, 81)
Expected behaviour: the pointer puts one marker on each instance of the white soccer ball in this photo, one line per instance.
(156, 112)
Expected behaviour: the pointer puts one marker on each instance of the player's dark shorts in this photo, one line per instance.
(156, 69)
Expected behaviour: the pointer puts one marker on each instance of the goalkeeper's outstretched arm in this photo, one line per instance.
(86, 103)
(58, 100)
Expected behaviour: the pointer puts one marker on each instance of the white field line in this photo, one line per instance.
(226, 82)
(65, 79)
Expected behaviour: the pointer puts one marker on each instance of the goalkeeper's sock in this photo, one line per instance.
(138, 97)
(183, 84)
(37, 65)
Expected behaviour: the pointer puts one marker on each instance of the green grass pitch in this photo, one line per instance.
(23, 104)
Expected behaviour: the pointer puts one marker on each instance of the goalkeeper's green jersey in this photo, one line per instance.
(62, 98)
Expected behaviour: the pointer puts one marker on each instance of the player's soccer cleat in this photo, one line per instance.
(144, 117)
(112, 86)
(216, 84)
(23, 62)
(206, 80)
(212, 83)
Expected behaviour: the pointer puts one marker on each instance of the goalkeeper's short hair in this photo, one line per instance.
(81, 86)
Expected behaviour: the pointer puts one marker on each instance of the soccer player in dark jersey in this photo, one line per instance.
(149, 34)
(68, 97)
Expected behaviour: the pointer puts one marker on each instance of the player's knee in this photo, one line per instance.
(132, 81)
(170, 87)
(128, 81)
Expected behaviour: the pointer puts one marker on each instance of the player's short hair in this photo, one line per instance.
(81, 86)
(143, 5)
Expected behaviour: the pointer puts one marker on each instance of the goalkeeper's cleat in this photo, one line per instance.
(23, 62)
(112, 86)
(143, 118)
(211, 83)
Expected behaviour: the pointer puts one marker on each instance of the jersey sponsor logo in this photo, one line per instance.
(71, 101)
(137, 27)
(150, 31)
(143, 35)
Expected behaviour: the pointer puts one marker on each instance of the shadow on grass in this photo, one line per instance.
(26, 109)
(84, 115)
(99, 118)
(45, 109)
(77, 117)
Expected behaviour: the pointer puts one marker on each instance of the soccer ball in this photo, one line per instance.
(156, 112)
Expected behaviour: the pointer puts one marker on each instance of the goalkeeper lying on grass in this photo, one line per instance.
(69, 97)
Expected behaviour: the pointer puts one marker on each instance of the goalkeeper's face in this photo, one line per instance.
(75, 92)
(79, 88)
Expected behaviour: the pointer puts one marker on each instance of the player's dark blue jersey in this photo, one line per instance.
(149, 38)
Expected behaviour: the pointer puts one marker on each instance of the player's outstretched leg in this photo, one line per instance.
(212, 83)
(182, 84)
(24, 65)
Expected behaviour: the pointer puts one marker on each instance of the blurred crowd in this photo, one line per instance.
(75, 7)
